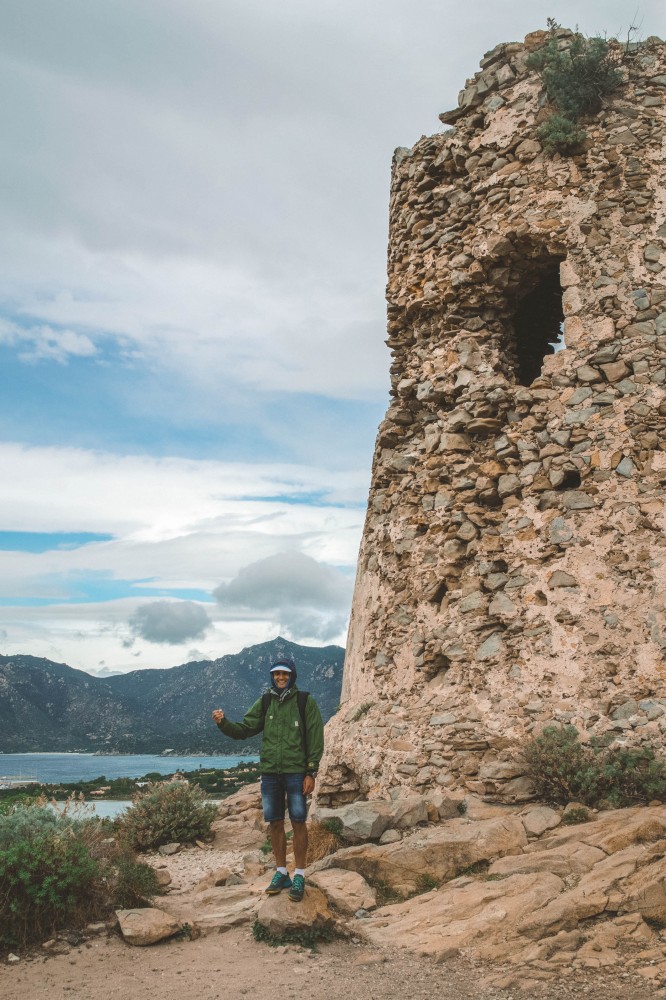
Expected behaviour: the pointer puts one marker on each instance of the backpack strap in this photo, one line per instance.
(302, 697)
(265, 702)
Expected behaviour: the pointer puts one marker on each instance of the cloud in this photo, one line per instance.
(170, 622)
(305, 597)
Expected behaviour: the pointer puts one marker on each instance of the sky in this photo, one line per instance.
(193, 228)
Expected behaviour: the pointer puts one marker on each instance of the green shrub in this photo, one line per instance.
(575, 816)
(577, 76)
(166, 813)
(134, 883)
(425, 883)
(306, 938)
(563, 770)
(46, 882)
(29, 822)
(560, 134)
(333, 825)
(59, 870)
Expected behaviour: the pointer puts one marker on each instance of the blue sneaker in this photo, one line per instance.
(278, 883)
(297, 889)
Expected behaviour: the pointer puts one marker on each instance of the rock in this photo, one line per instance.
(215, 878)
(347, 891)
(390, 837)
(508, 485)
(478, 917)
(163, 877)
(368, 820)
(408, 812)
(437, 852)
(561, 579)
(11, 957)
(99, 927)
(360, 820)
(219, 908)
(169, 849)
(538, 820)
(280, 917)
(561, 861)
(443, 719)
(146, 926)
(645, 893)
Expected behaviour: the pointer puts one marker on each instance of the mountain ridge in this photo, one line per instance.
(48, 707)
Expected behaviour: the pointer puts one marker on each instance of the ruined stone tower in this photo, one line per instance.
(513, 565)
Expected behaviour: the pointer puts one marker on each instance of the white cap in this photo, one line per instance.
(282, 666)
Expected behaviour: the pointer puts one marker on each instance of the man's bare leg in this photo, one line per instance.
(279, 842)
(300, 844)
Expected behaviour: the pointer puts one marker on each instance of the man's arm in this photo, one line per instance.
(252, 724)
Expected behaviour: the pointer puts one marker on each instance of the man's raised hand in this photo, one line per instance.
(218, 715)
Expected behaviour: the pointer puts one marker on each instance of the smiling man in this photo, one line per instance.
(291, 748)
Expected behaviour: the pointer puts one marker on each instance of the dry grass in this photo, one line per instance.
(321, 842)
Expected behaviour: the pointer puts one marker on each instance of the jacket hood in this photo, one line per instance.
(287, 662)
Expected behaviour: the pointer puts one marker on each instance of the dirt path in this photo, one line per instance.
(233, 965)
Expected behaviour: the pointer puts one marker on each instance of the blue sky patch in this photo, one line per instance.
(47, 541)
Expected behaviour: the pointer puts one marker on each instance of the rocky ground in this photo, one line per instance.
(523, 904)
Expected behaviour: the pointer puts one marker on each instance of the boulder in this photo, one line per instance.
(280, 917)
(163, 876)
(645, 893)
(346, 891)
(168, 849)
(562, 861)
(360, 820)
(368, 820)
(147, 925)
(438, 852)
(239, 831)
(408, 812)
(478, 916)
(213, 879)
(218, 908)
(538, 820)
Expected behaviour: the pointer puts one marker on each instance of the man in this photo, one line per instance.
(290, 755)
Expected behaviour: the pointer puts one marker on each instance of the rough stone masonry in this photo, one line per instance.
(512, 571)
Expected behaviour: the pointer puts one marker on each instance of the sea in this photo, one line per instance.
(53, 768)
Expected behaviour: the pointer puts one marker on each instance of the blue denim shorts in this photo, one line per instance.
(275, 788)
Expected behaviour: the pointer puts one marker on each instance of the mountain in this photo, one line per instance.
(46, 706)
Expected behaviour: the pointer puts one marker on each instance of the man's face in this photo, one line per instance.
(281, 678)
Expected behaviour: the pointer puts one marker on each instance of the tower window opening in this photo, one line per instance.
(538, 324)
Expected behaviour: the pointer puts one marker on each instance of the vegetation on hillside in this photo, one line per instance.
(166, 813)
(564, 770)
(59, 871)
(577, 73)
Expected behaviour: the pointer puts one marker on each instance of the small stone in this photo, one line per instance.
(587, 374)
(559, 531)
(11, 957)
(169, 849)
(615, 371)
(445, 719)
(576, 500)
(508, 485)
(625, 468)
(561, 579)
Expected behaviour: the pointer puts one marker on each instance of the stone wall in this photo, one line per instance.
(513, 565)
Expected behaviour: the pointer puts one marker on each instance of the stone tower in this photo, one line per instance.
(512, 571)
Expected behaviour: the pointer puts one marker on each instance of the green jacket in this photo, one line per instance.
(282, 743)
